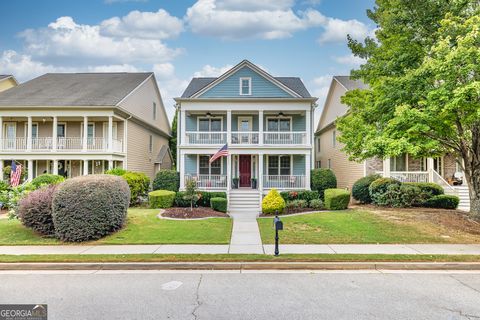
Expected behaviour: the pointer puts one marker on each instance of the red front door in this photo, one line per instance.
(245, 170)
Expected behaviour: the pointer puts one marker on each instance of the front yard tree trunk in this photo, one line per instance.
(472, 175)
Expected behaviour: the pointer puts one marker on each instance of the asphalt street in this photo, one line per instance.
(217, 295)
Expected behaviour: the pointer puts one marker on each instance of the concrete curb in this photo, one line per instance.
(244, 266)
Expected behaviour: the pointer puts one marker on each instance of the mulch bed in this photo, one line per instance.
(186, 213)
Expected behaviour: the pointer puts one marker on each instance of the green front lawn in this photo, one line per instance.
(349, 226)
(143, 227)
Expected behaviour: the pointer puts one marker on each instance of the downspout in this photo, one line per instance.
(125, 144)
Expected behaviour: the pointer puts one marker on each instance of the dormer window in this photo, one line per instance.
(245, 86)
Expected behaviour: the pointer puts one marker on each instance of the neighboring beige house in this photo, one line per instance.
(44, 122)
(7, 81)
(328, 152)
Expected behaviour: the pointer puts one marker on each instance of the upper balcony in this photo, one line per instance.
(246, 129)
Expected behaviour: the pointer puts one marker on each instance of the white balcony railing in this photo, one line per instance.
(410, 176)
(283, 182)
(245, 138)
(63, 144)
(201, 137)
(206, 181)
(284, 138)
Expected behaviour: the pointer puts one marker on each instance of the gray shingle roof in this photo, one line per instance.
(294, 83)
(161, 154)
(73, 89)
(351, 84)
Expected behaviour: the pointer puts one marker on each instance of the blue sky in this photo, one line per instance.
(181, 39)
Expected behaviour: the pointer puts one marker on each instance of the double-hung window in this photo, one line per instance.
(279, 131)
(214, 127)
(245, 86)
(398, 163)
(207, 168)
(279, 165)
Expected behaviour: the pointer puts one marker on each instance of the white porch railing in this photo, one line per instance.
(201, 137)
(410, 176)
(284, 138)
(283, 182)
(438, 179)
(14, 144)
(63, 144)
(206, 181)
(117, 145)
(244, 137)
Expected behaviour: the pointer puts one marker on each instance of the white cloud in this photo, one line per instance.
(114, 68)
(254, 5)
(164, 70)
(349, 60)
(144, 25)
(336, 30)
(65, 39)
(320, 86)
(22, 66)
(210, 71)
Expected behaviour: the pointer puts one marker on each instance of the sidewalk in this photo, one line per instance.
(414, 249)
(245, 234)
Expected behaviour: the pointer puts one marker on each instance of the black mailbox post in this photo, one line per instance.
(278, 225)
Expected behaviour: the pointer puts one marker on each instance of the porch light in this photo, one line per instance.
(208, 115)
(280, 114)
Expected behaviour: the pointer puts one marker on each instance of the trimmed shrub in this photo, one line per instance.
(273, 202)
(116, 171)
(379, 187)
(337, 199)
(35, 210)
(443, 201)
(161, 199)
(139, 184)
(218, 204)
(400, 196)
(296, 204)
(360, 190)
(46, 179)
(430, 188)
(322, 179)
(306, 195)
(90, 207)
(180, 200)
(167, 180)
(316, 204)
(205, 197)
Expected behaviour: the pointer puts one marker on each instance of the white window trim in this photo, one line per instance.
(279, 165)
(89, 123)
(5, 124)
(209, 165)
(209, 123)
(280, 118)
(249, 86)
(65, 124)
(26, 129)
(105, 130)
(239, 121)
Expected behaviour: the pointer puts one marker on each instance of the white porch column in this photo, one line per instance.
(229, 172)
(181, 166)
(30, 170)
(308, 168)
(229, 126)
(85, 133)
(55, 166)
(54, 133)
(110, 133)
(308, 126)
(85, 167)
(430, 169)
(110, 164)
(1, 134)
(260, 171)
(183, 122)
(29, 134)
(260, 127)
(386, 167)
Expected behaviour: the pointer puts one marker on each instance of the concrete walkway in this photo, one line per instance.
(244, 244)
(245, 234)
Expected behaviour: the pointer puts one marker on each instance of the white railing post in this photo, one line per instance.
(386, 167)
(110, 133)
(260, 127)
(430, 169)
(54, 133)
(85, 133)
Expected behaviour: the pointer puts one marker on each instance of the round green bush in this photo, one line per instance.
(161, 199)
(46, 179)
(379, 187)
(322, 179)
(180, 200)
(205, 197)
(430, 188)
(337, 199)
(116, 171)
(90, 207)
(167, 180)
(360, 190)
(316, 204)
(139, 184)
(443, 201)
(219, 204)
(35, 210)
(400, 196)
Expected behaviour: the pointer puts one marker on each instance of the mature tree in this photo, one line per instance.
(423, 72)
(172, 143)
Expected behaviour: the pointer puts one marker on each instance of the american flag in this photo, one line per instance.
(15, 174)
(223, 152)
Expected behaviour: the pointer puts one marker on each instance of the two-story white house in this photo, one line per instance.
(266, 123)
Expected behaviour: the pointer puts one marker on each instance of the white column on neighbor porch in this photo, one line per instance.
(307, 171)
(110, 164)
(1, 134)
(85, 133)
(110, 133)
(430, 168)
(308, 127)
(386, 167)
(85, 167)
(260, 127)
(54, 133)
(183, 122)
(55, 166)
(29, 133)
(229, 172)
(30, 170)
(181, 165)
(229, 126)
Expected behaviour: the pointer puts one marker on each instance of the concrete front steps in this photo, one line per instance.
(462, 193)
(244, 201)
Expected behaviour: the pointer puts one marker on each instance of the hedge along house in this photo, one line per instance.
(84, 123)
(328, 153)
(265, 121)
